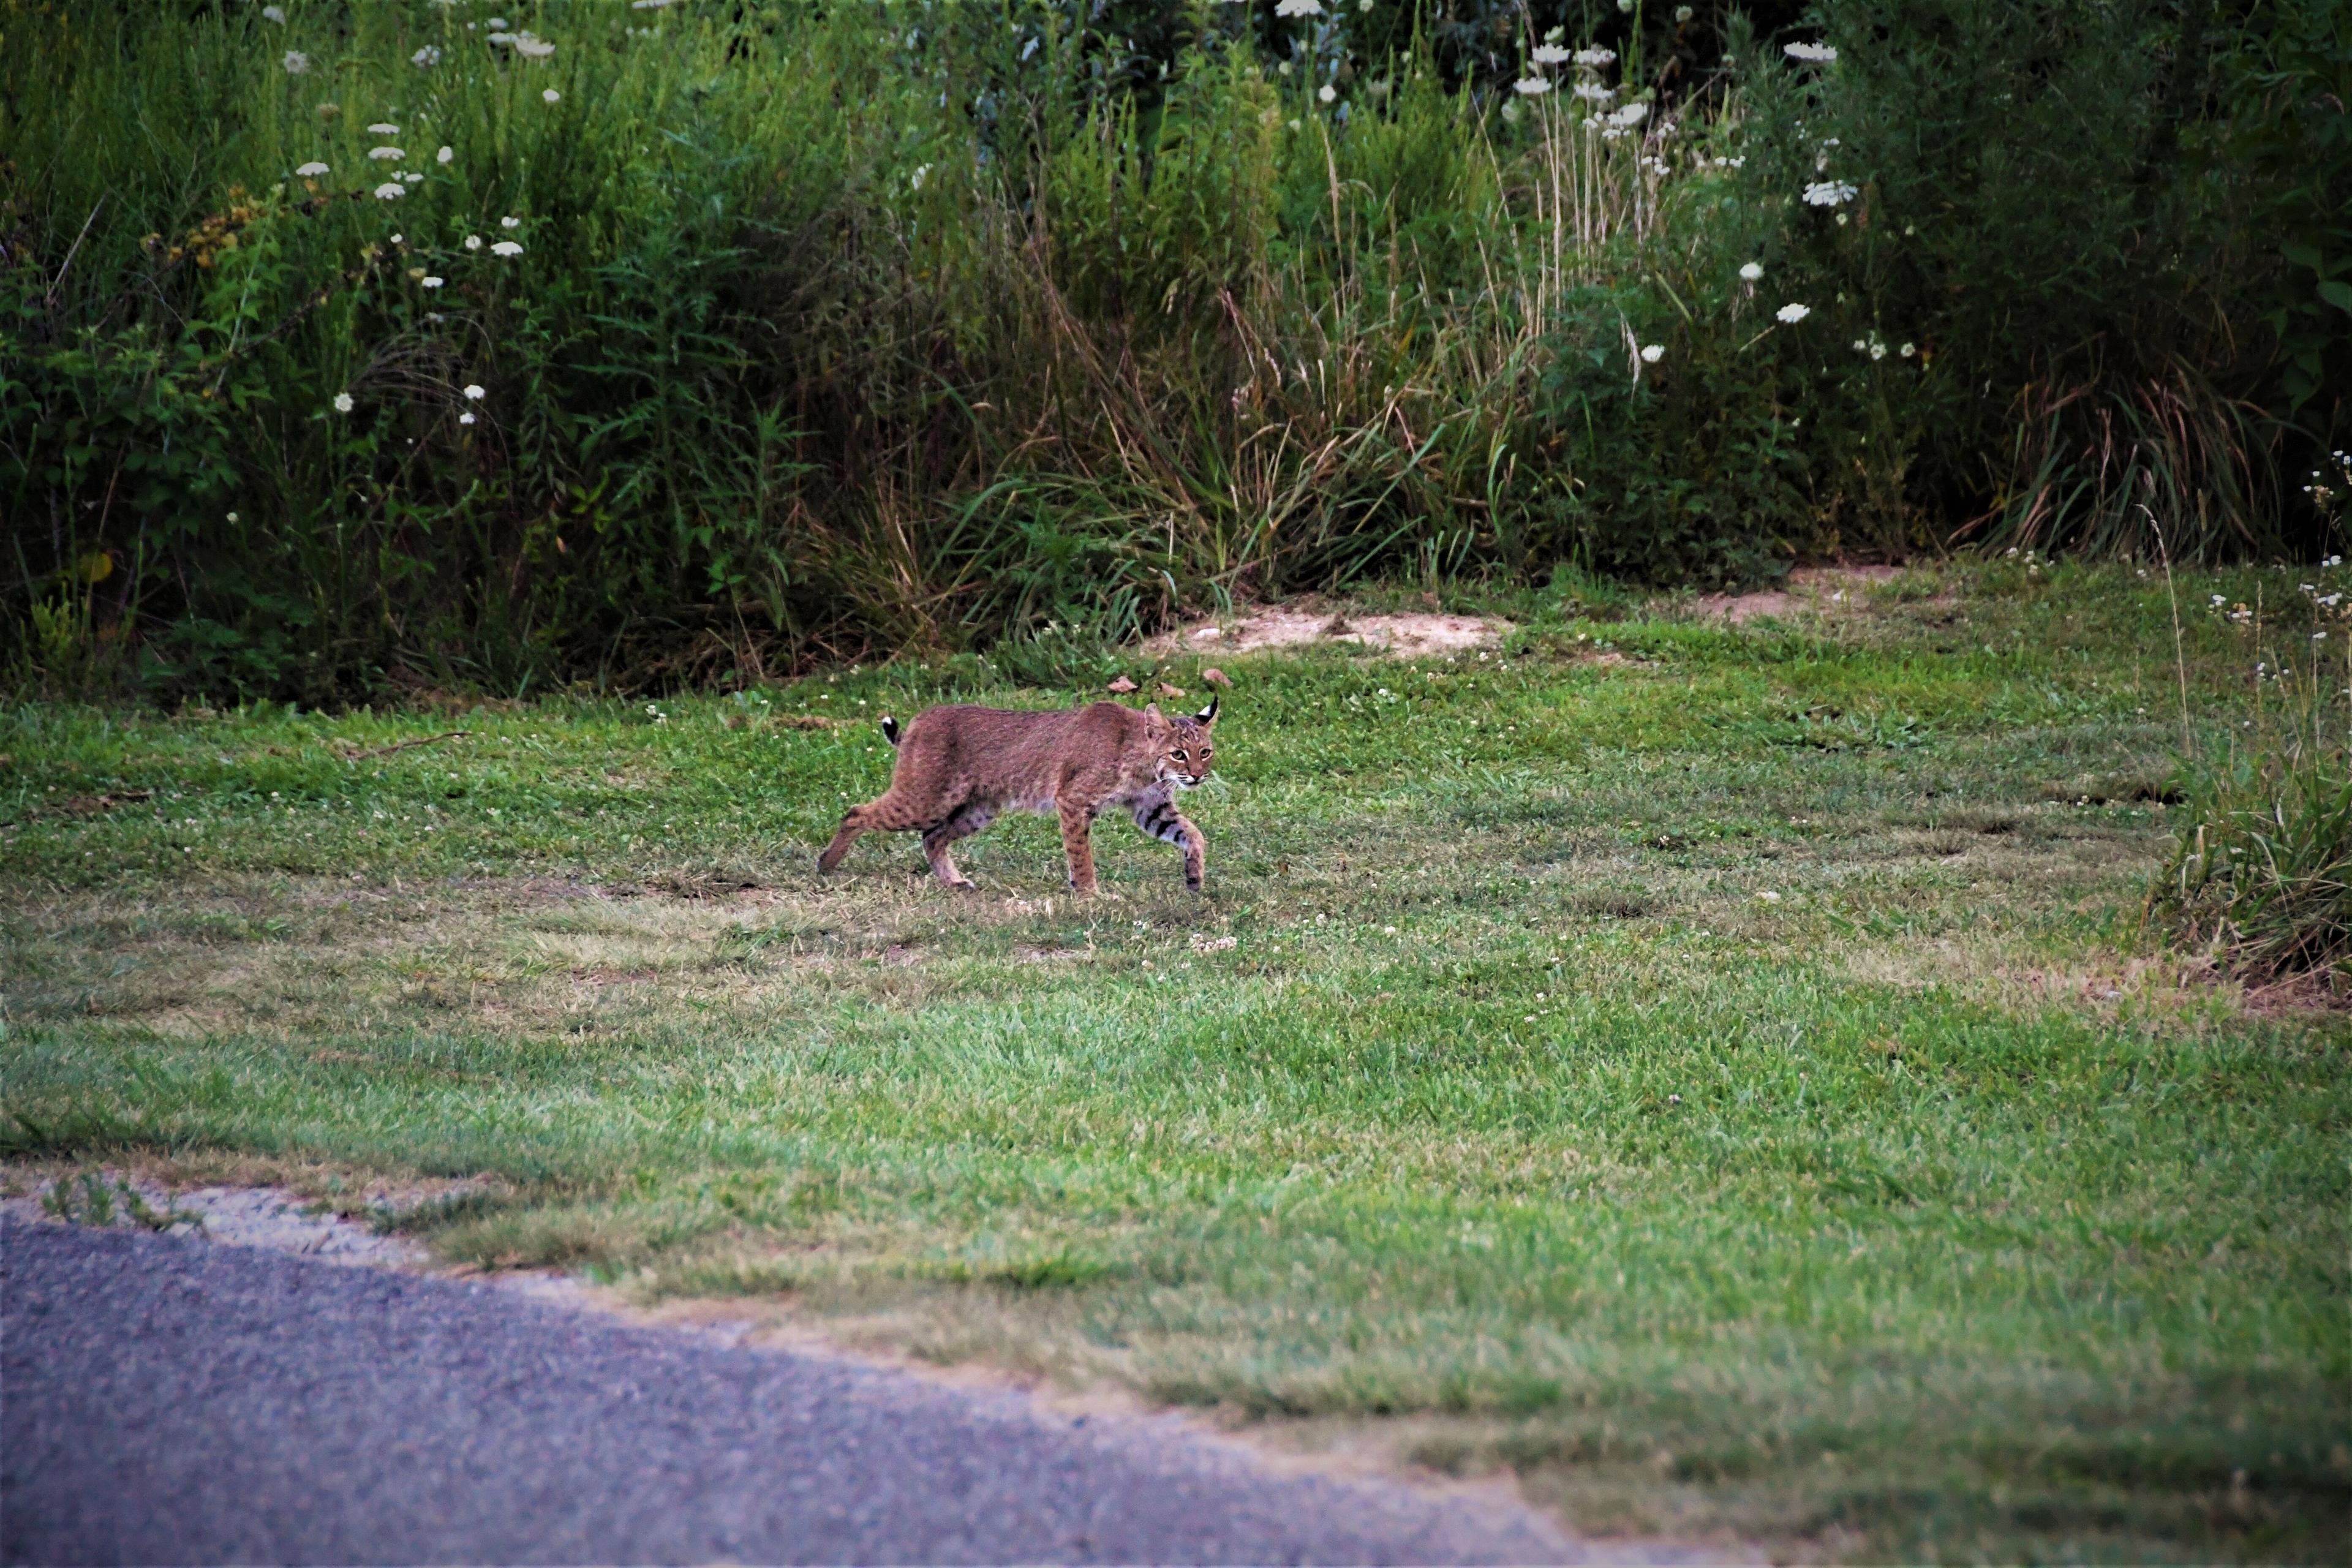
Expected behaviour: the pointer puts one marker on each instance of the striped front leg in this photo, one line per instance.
(1156, 814)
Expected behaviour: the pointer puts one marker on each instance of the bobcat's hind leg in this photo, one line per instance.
(961, 823)
(1156, 814)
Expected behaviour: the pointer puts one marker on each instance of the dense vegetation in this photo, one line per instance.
(818, 329)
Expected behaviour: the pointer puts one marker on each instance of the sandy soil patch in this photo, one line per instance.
(237, 1216)
(1809, 591)
(1410, 635)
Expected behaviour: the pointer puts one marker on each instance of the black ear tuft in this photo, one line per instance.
(1208, 715)
(889, 729)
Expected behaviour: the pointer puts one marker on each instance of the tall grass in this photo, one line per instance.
(889, 323)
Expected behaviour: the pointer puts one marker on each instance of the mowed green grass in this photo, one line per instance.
(1715, 1071)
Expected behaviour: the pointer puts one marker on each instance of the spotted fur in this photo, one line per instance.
(960, 768)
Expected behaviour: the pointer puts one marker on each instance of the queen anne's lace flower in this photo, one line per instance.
(384, 128)
(386, 154)
(473, 242)
(447, 155)
(1828, 193)
(551, 95)
(1752, 271)
(1531, 85)
(1595, 92)
(1630, 116)
(342, 403)
(311, 170)
(390, 191)
(465, 418)
(429, 56)
(274, 13)
(1819, 53)
(506, 248)
(1328, 94)
(430, 282)
(1793, 312)
(1549, 55)
(510, 222)
(1652, 353)
(1298, 9)
(296, 62)
(1596, 59)
(474, 393)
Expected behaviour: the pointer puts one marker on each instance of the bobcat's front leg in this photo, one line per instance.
(1077, 822)
(1156, 814)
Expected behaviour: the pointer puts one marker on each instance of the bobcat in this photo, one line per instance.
(959, 767)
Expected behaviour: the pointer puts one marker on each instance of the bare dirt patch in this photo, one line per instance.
(1809, 590)
(1408, 635)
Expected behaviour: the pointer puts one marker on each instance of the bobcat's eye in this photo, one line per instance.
(1180, 756)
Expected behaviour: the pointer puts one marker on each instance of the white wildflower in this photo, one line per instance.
(497, 21)
(1908, 350)
(552, 95)
(1595, 58)
(386, 154)
(1298, 9)
(649, 5)
(506, 248)
(430, 282)
(429, 56)
(1683, 13)
(464, 420)
(1828, 193)
(532, 48)
(390, 191)
(414, 178)
(1549, 55)
(1531, 85)
(296, 62)
(1595, 92)
(1328, 94)
(274, 13)
(398, 237)
(1652, 353)
(342, 403)
(1630, 116)
(1822, 54)
(384, 128)
(1752, 272)
(1793, 312)
(311, 170)
(447, 155)
(473, 242)
(1877, 350)
(510, 222)
(474, 393)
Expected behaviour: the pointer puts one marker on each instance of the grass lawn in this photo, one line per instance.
(1715, 1071)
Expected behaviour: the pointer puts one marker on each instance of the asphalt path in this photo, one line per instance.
(168, 1399)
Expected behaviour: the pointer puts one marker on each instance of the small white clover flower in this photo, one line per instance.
(510, 222)
(474, 393)
(447, 155)
(1752, 271)
(1793, 312)
(1652, 353)
(1328, 94)
(506, 248)
(311, 170)
(1822, 54)
(427, 57)
(386, 154)
(552, 95)
(296, 62)
(342, 403)
(1287, 8)
(390, 191)
(473, 242)
(1549, 55)
(1828, 193)
(430, 282)
(1531, 85)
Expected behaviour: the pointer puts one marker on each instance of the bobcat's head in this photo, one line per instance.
(1186, 745)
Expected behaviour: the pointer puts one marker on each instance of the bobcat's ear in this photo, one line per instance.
(1151, 711)
(1207, 715)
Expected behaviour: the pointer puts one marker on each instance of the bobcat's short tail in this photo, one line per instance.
(889, 729)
